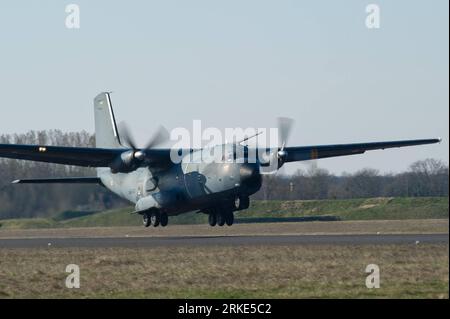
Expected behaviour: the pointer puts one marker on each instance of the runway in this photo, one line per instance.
(149, 242)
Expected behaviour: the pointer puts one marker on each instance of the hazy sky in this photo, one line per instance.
(235, 64)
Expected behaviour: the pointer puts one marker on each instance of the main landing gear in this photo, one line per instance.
(155, 218)
(225, 214)
(221, 216)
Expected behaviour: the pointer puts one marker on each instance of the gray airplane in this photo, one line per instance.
(160, 187)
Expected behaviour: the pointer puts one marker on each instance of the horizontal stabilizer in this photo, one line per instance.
(68, 180)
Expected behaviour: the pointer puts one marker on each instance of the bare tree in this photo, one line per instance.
(428, 178)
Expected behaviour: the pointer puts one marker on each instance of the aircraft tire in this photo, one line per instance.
(155, 218)
(220, 218)
(212, 219)
(146, 219)
(164, 219)
(229, 218)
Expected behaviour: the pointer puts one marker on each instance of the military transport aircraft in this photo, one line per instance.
(160, 187)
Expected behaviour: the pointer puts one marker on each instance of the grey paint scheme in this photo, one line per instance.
(181, 187)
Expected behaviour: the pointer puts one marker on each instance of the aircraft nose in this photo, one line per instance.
(250, 176)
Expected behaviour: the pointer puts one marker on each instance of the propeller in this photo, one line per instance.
(131, 160)
(284, 131)
(126, 136)
(159, 137)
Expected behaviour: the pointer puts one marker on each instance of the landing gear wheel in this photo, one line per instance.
(212, 219)
(155, 218)
(229, 218)
(146, 219)
(220, 219)
(164, 219)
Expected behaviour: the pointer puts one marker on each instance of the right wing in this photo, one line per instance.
(304, 153)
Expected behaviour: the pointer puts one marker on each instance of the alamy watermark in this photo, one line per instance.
(72, 20)
(231, 145)
(73, 279)
(373, 279)
(373, 16)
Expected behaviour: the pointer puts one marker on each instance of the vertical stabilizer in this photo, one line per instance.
(106, 133)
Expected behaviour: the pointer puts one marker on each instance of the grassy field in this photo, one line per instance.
(352, 209)
(355, 209)
(407, 271)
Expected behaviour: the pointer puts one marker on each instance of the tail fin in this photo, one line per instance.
(106, 133)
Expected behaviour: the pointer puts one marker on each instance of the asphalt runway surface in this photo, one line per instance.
(193, 241)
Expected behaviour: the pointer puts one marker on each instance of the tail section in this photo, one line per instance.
(106, 133)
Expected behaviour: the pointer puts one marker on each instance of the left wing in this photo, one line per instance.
(78, 156)
(304, 153)
(65, 180)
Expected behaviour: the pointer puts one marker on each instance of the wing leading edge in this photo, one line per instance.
(304, 153)
(65, 180)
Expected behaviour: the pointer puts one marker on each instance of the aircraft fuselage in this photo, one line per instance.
(190, 185)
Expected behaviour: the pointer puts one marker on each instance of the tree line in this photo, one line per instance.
(423, 178)
(427, 177)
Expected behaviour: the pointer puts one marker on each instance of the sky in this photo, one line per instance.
(235, 64)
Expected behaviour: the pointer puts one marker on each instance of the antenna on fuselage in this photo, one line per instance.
(249, 137)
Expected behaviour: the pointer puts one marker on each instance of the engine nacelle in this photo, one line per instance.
(125, 163)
